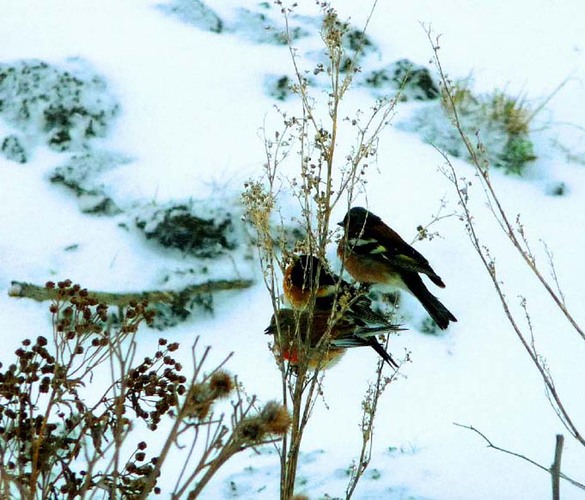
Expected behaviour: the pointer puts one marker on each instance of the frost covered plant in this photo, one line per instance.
(501, 121)
(499, 113)
(77, 410)
(304, 159)
(67, 107)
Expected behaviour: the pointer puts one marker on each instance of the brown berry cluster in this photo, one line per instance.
(154, 386)
(21, 386)
(133, 481)
(35, 442)
(77, 313)
(44, 420)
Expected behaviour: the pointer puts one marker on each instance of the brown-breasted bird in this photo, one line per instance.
(307, 275)
(297, 336)
(374, 253)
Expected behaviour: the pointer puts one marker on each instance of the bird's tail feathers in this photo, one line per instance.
(382, 352)
(363, 341)
(440, 314)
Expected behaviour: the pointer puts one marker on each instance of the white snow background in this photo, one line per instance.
(192, 103)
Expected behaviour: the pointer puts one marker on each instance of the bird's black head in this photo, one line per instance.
(304, 272)
(357, 218)
(286, 319)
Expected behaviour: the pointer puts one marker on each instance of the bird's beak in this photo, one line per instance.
(340, 223)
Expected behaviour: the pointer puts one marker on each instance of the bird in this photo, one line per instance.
(373, 253)
(308, 275)
(344, 331)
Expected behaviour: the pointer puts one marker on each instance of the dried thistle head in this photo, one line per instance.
(251, 430)
(221, 384)
(272, 420)
(276, 417)
(199, 401)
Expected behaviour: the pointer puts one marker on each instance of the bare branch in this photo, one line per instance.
(552, 470)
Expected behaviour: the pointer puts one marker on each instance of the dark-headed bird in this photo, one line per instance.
(372, 253)
(308, 276)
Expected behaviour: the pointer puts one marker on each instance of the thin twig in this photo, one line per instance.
(524, 457)
(482, 170)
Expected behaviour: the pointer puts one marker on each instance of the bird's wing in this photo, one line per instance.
(400, 255)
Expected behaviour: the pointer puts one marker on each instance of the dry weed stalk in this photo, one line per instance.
(324, 180)
(515, 234)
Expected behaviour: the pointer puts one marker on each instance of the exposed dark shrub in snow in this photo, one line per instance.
(259, 27)
(501, 121)
(357, 45)
(180, 309)
(195, 13)
(278, 86)
(13, 149)
(415, 82)
(66, 107)
(197, 228)
(557, 189)
(82, 173)
(355, 40)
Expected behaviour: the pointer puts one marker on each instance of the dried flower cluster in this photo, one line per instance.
(45, 422)
(61, 438)
(324, 175)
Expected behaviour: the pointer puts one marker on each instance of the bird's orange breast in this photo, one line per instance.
(368, 270)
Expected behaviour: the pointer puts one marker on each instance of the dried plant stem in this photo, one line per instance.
(325, 177)
(493, 199)
(370, 409)
(179, 422)
(554, 470)
(489, 265)
(482, 169)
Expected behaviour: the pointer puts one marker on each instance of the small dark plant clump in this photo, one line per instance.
(200, 231)
(13, 149)
(429, 327)
(414, 82)
(194, 13)
(557, 189)
(279, 87)
(67, 107)
(169, 314)
(81, 173)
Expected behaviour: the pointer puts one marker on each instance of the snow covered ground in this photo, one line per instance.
(191, 104)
